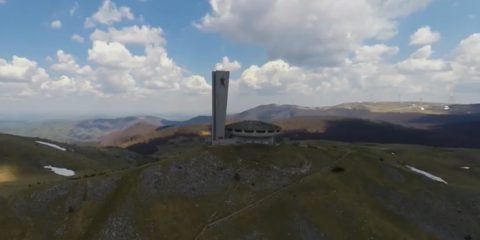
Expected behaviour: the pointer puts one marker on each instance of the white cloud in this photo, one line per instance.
(424, 36)
(77, 38)
(63, 85)
(375, 52)
(197, 84)
(423, 52)
(20, 70)
(108, 14)
(307, 32)
(56, 24)
(227, 65)
(142, 35)
(74, 9)
(304, 36)
(468, 51)
(367, 76)
(66, 63)
(3, 2)
(25, 78)
(420, 61)
(113, 55)
(275, 76)
(118, 71)
(467, 64)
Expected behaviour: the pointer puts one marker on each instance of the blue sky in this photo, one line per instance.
(305, 52)
(31, 36)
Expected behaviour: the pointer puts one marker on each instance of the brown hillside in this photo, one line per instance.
(136, 131)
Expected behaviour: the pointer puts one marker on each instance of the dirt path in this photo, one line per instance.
(268, 197)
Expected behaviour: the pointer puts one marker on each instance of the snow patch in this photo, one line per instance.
(61, 171)
(306, 108)
(418, 106)
(426, 174)
(52, 145)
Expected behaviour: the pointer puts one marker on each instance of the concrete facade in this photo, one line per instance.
(220, 82)
(252, 132)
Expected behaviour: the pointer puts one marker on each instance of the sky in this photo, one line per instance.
(123, 57)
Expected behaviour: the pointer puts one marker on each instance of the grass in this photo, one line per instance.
(299, 190)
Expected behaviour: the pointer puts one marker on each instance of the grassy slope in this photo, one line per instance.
(22, 160)
(260, 192)
(128, 134)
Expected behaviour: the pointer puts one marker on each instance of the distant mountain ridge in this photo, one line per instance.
(440, 125)
(410, 114)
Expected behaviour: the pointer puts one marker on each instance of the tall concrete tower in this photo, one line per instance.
(220, 80)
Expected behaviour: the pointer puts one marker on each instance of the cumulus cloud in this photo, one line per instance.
(375, 52)
(420, 61)
(65, 85)
(119, 71)
(307, 32)
(468, 51)
(227, 65)
(108, 14)
(56, 24)
(25, 78)
(369, 74)
(423, 52)
(20, 70)
(77, 38)
(424, 36)
(113, 55)
(66, 63)
(467, 62)
(277, 77)
(142, 35)
(317, 49)
(197, 84)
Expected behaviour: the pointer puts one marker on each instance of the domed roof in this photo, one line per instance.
(253, 126)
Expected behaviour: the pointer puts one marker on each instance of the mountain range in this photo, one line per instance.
(433, 124)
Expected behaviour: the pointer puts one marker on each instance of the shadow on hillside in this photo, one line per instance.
(354, 130)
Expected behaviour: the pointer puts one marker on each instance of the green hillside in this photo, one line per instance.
(300, 190)
(22, 160)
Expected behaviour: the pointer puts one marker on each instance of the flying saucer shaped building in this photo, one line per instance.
(252, 132)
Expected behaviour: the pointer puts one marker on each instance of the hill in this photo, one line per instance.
(456, 134)
(90, 130)
(413, 114)
(24, 159)
(303, 190)
(462, 132)
(129, 134)
(112, 131)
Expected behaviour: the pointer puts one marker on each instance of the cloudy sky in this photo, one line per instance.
(146, 56)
